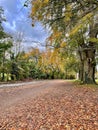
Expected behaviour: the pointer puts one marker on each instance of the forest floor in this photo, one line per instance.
(49, 105)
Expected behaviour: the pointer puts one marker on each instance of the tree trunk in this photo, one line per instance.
(87, 57)
(3, 69)
(81, 66)
(81, 70)
(87, 66)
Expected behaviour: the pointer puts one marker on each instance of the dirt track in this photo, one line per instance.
(48, 105)
(12, 94)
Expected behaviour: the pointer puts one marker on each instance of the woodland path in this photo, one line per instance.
(48, 105)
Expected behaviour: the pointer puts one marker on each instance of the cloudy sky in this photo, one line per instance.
(18, 21)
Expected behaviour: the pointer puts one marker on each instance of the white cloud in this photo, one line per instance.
(18, 21)
(10, 27)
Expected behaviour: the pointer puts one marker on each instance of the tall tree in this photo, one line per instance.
(73, 18)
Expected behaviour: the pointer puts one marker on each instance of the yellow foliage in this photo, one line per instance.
(63, 44)
(54, 35)
(75, 30)
(40, 17)
(81, 24)
(57, 34)
(26, 56)
(94, 40)
(46, 1)
(69, 7)
(87, 17)
(68, 16)
(68, 13)
(37, 9)
(34, 52)
(36, 6)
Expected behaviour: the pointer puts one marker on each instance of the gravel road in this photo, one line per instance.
(11, 94)
(48, 105)
(17, 84)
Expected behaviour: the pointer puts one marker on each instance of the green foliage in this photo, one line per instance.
(94, 40)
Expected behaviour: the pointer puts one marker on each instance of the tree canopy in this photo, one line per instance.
(75, 24)
(70, 48)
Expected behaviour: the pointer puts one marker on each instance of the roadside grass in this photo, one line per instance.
(78, 83)
(96, 81)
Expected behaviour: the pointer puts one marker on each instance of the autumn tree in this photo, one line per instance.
(74, 22)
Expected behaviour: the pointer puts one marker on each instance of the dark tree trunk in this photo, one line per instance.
(87, 57)
(89, 66)
(81, 70)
